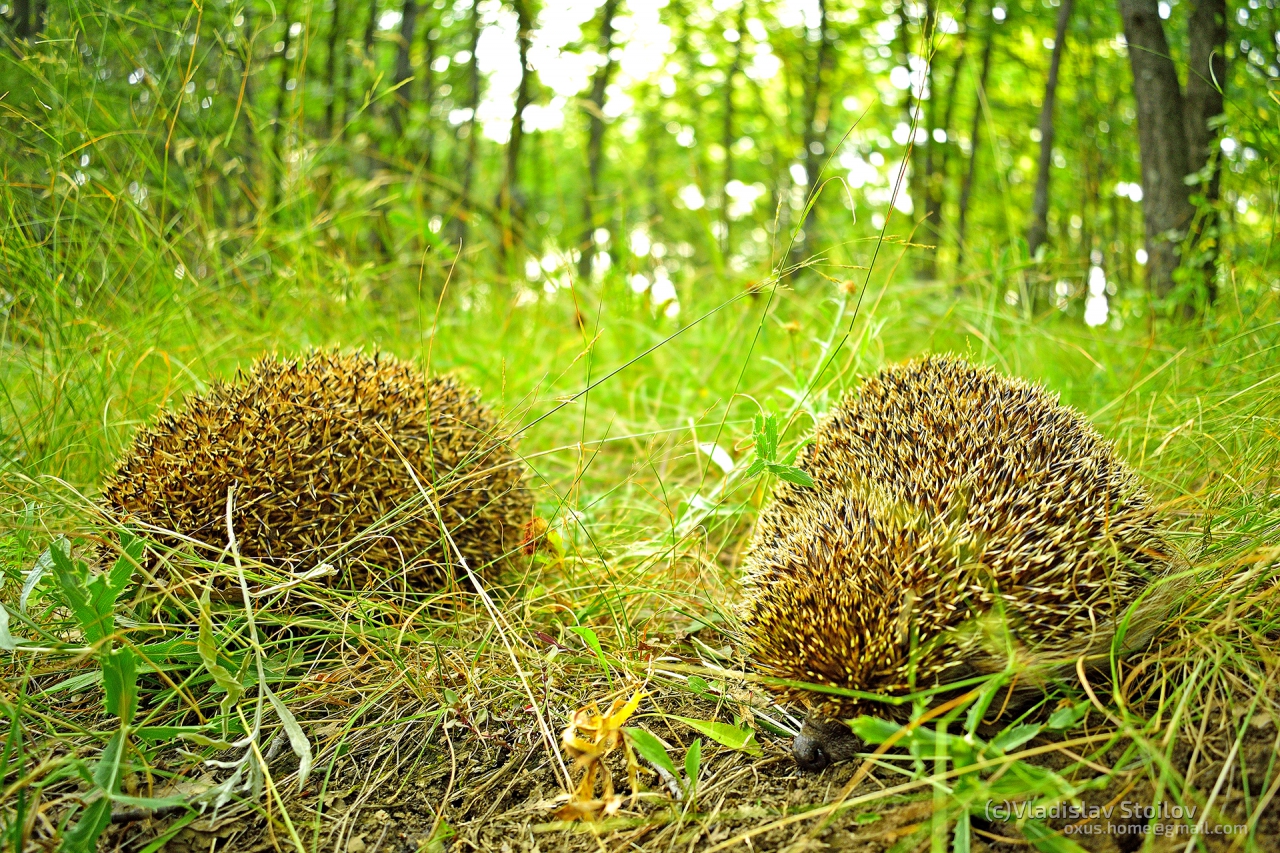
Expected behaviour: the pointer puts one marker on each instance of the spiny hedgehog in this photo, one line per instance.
(319, 450)
(957, 516)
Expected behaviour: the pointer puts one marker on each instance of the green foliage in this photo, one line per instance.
(765, 434)
(734, 737)
(651, 750)
(692, 767)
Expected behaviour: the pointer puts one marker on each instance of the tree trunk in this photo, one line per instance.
(508, 208)
(473, 103)
(21, 19)
(1206, 78)
(937, 167)
(1039, 229)
(815, 126)
(251, 148)
(429, 37)
(277, 120)
(726, 138)
(335, 64)
(404, 68)
(1162, 142)
(921, 154)
(595, 140)
(370, 26)
(975, 132)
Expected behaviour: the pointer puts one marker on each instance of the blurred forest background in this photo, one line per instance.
(656, 142)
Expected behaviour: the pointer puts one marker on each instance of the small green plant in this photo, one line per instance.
(91, 597)
(692, 766)
(765, 433)
(957, 763)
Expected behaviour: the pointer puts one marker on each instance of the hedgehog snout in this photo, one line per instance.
(824, 741)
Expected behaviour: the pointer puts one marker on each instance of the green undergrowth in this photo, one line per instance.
(118, 689)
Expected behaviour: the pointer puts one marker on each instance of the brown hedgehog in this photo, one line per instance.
(957, 517)
(320, 451)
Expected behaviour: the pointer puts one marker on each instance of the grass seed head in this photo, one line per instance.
(335, 457)
(958, 518)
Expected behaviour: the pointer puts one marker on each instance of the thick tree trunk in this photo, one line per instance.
(815, 131)
(726, 137)
(334, 67)
(473, 103)
(404, 68)
(1162, 142)
(1206, 78)
(975, 133)
(595, 140)
(507, 206)
(1039, 229)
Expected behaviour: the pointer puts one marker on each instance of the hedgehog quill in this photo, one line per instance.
(319, 450)
(958, 518)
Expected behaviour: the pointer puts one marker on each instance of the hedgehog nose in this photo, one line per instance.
(809, 753)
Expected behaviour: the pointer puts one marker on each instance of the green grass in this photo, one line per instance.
(651, 531)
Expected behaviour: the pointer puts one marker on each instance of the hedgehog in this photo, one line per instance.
(345, 458)
(957, 517)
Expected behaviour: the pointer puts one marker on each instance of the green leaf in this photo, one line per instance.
(589, 637)
(202, 740)
(208, 651)
(962, 836)
(120, 682)
(873, 729)
(692, 763)
(726, 735)
(83, 837)
(973, 717)
(795, 451)
(651, 750)
(1069, 717)
(760, 439)
(122, 569)
(43, 564)
(72, 583)
(791, 474)
(7, 641)
(159, 733)
(76, 682)
(1014, 737)
(297, 740)
(1047, 840)
(106, 773)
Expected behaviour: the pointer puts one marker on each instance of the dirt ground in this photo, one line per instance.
(495, 787)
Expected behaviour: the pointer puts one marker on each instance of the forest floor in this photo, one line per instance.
(435, 722)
